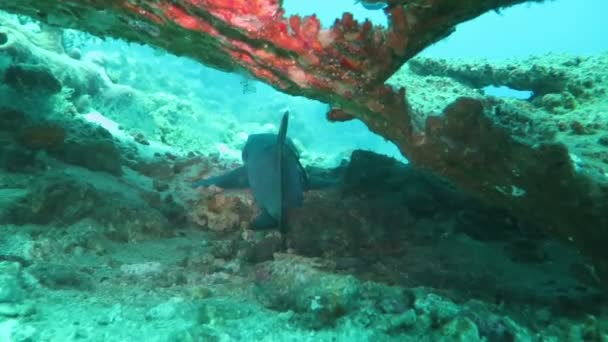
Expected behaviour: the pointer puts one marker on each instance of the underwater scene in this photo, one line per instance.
(290, 170)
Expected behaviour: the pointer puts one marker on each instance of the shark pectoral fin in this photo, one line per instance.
(233, 179)
(306, 181)
(263, 221)
(202, 182)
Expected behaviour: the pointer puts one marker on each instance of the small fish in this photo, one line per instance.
(372, 6)
(247, 85)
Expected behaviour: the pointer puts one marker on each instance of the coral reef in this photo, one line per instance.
(101, 237)
(539, 74)
(526, 174)
(528, 145)
(51, 79)
(346, 66)
(106, 238)
(566, 104)
(34, 68)
(23, 76)
(76, 150)
(85, 138)
(218, 211)
(559, 83)
(42, 136)
(79, 241)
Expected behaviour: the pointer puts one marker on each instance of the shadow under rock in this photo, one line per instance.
(391, 222)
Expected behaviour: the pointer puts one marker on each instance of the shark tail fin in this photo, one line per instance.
(280, 161)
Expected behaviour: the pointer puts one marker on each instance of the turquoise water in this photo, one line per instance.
(519, 31)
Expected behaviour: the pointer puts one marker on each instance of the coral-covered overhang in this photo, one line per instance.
(344, 65)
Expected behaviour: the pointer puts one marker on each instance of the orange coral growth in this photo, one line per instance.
(397, 37)
(220, 212)
(42, 136)
(338, 115)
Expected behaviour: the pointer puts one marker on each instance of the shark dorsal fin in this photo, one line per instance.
(283, 129)
(281, 156)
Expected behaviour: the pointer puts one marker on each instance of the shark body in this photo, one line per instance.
(273, 171)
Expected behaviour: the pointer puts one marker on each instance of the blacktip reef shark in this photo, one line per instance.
(273, 171)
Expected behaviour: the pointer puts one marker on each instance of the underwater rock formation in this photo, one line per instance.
(396, 253)
(394, 223)
(287, 284)
(220, 212)
(562, 124)
(92, 147)
(95, 244)
(42, 136)
(15, 286)
(346, 66)
(78, 143)
(536, 181)
(559, 83)
(60, 169)
(24, 76)
(36, 69)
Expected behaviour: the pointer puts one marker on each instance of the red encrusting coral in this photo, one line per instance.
(397, 37)
(350, 59)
